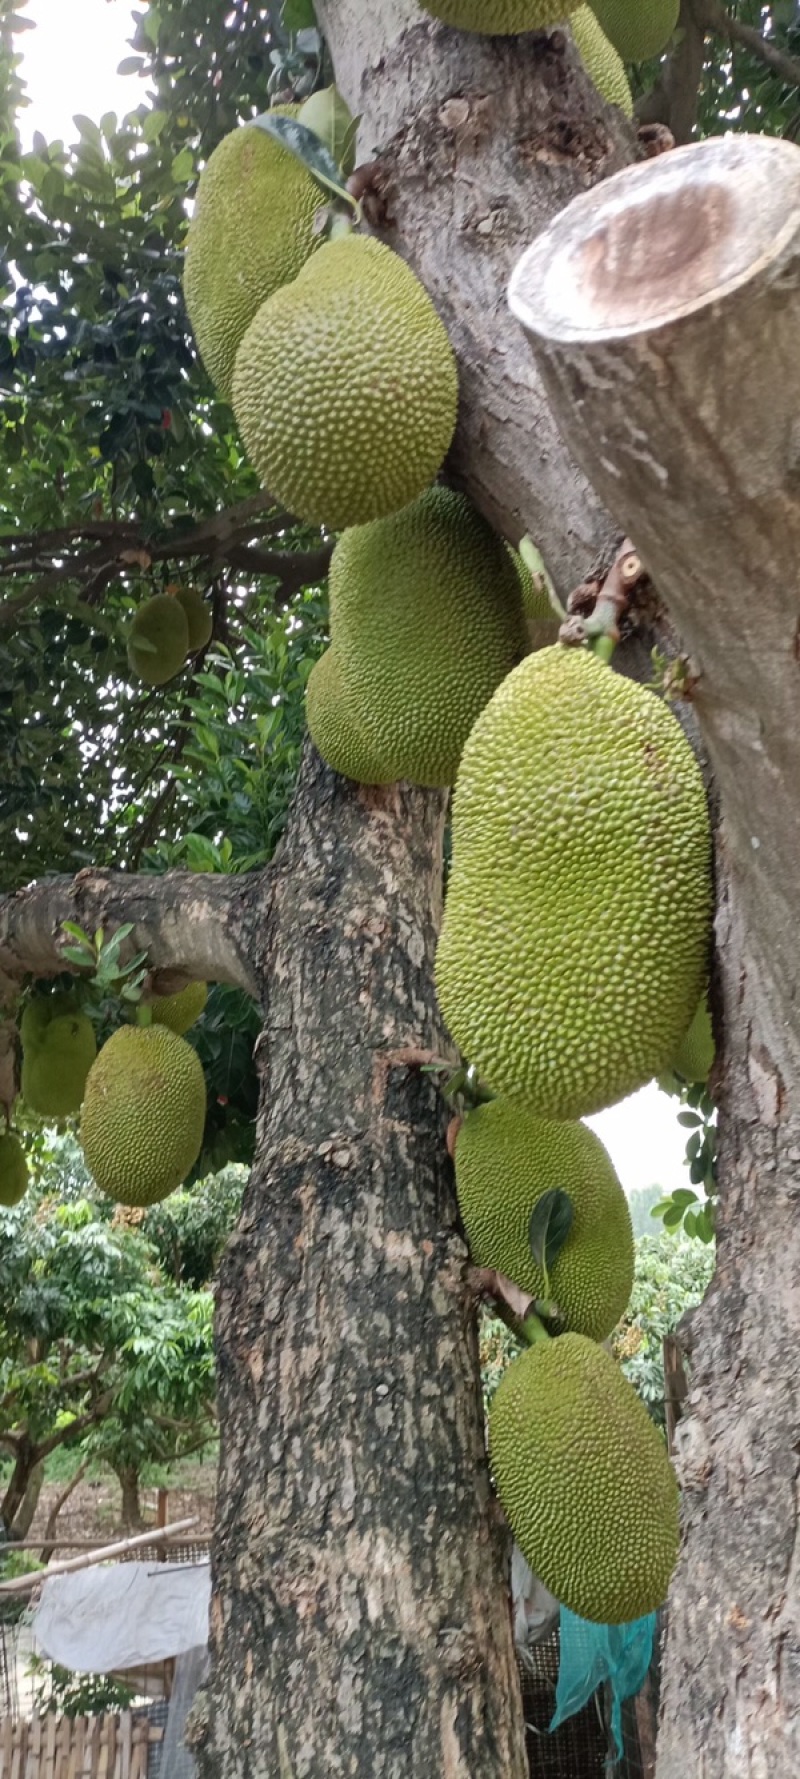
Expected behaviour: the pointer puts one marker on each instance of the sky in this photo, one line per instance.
(70, 66)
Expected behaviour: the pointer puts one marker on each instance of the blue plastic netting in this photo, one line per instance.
(593, 1654)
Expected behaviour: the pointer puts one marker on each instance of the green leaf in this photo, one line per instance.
(306, 147)
(684, 1196)
(673, 1218)
(83, 958)
(68, 926)
(298, 15)
(689, 1120)
(550, 1224)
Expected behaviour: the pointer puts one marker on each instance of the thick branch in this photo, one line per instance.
(185, 921)
(715, 18)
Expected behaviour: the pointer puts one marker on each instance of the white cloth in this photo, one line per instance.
(123, 1615)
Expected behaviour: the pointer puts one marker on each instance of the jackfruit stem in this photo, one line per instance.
(341, 224)
(532, 1330)
(144, 1013)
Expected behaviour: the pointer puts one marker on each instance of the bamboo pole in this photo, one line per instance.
(22, 1584)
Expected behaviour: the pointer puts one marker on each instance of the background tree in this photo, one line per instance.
(360, 1620)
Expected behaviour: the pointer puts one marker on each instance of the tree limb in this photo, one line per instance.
(715, 18)
(191, 922)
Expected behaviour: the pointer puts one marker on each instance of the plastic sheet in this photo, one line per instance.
(593, 1655)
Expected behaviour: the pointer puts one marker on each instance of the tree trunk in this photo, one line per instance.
(131, 1516)
(664, 313)
(23, 1518)
(360, 1623)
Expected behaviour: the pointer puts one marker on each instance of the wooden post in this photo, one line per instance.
(23, 1584)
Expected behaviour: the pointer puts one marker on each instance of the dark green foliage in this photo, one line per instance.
(670, 1278)
(190, 1228)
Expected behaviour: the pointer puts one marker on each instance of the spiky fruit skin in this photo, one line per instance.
(505, 1159)
(585, 1480)
(345, 387)
(251, 231)
(603, 65)
(637, 28)
(427, 618)
(160, 625)
(143, 1114)
(695, 1053)
(575, 938)
(56, 1059)
(178, 1012)
(499, 18)
(334, 733)
(327, 114)
(13, 1170)
(199, 618)
(38, 1013)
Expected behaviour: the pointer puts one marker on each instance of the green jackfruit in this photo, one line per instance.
(426, 619)
(499, 18)
(199, 619)
(695, 1053)
(143, 1114)
(505, 1158)
(637, 28)
(38, 1013)
(56, 1059)
(585, 1480)
(13, 1169)
(332, 729)
(603, 65)
(327, 114)
(158, 640)
(251, 231)
(345, 387)
(575, 938)
(179, 1011)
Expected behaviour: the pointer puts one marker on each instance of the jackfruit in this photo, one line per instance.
(426, 618)
(499, 18)
(37, 1014)
(13, 1169)
(334, 734)
(199, 619)
(143, 1114)
(345, 387)
(584, 1477)
(602, 63)
(327, 114)
(696, 1051)
(56, 1058)
(505, 1159)
(575, 938)
(637, 28)
(158, 640)
(251, 231)
(179, 1011)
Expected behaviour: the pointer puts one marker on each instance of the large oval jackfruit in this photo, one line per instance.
(499, 18)
(57, 1054)
(198, 615)
(158, 640)
(575, 938)
(251, 231)
(334, 733)
(637, 28)
(585, 1480)
(505, 1159)
(13, 1169)
(345, 387)
(143, 1114)
(603, 65)
(426, 618)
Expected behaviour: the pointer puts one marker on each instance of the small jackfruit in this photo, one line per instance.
(505, 1159)
(499, 18)
(695, 1053)
(328, 115)
(143, 1114)
(13, 1169)
(603, 64)
(251, 231)
(179, 1011)
(576, 928)
(334, 734)
(37, 1014)
(426, 619)
(584, 1477)
(158, 640)
(637, 28)
(56, 1059)
(345, 387)
(199, 619)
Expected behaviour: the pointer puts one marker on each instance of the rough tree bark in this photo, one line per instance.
(664, 314)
